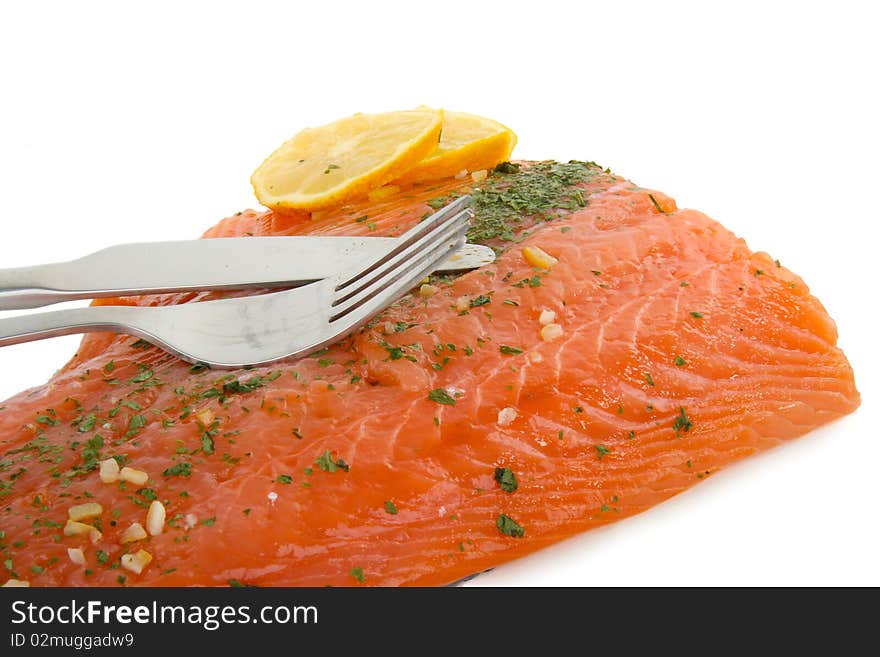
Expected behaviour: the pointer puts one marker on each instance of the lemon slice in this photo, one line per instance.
(467, 143)
(326, 166)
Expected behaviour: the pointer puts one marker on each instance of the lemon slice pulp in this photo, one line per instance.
(326, 166)
(467, 143)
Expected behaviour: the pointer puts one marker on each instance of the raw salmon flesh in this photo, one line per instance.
(514, 407)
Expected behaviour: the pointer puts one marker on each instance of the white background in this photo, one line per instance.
(121, 123)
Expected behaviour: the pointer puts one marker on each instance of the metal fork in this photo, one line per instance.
(255, 330)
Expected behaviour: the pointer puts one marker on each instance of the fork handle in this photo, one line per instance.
(36, 326)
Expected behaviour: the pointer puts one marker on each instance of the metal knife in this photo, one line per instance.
(208, 264)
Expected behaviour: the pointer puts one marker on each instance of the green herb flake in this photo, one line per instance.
(440, 396)
(327, 464)
(358, 574)
(506, 479)
(656, 204)
(481, 300)
(509, 527)
(390, 508)
(284, 479)
(681, 423)
(681, 362)
(696, 314)
(87, 423)
(649, 379)
(182, 469)
(510, 351)
(209, 522)
(601, 451)
(145, 374)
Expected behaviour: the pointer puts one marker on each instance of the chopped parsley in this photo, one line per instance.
(601, 451)
(358, 574)
(649, 379)
(390, 508)
(440, 396)
(681, 423)
(696, 314)
(656, 204)
(481, 300)
(284, 479)
(506, 479)
(509, 527)
(681, 362)
(87, 423)
(327, 464)
(546, 190)
(510, 351)
(182, 469)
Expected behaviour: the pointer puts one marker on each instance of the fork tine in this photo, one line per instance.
(402, 256)
(415, 233)
(407, 272)
(359, 313)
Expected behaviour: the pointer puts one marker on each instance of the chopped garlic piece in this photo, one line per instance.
(461, 174)
(506, 416)
(135, 532)
(547, 316)
(535, 357)
(551, 332)
(538, 257)
(95, 535)
(109, 471)
(16, 583)
(462, 304)
(87, 510)
(205, 416)
(76, 556)
(479, 176)
(155, 518)
(190, 520)
(136, 562)
(136, 477)
(428, 290)
(74, 528)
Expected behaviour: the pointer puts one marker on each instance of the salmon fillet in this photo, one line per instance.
(448, 436)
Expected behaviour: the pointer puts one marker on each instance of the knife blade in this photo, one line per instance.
(210, 264)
